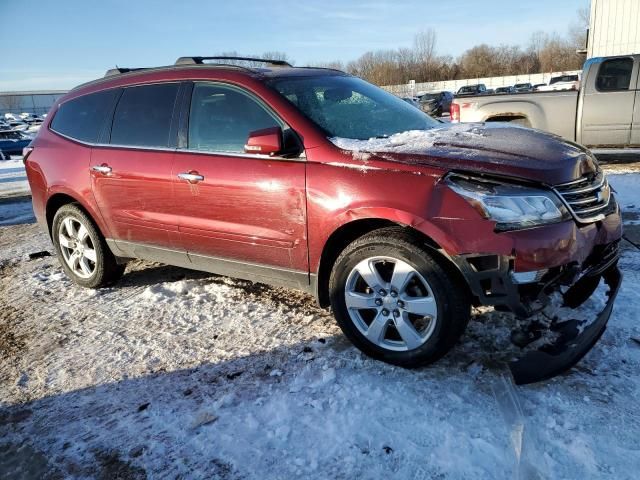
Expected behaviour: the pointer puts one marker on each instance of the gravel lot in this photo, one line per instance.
(179, 374)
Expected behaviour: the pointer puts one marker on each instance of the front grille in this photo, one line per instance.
(586, 198)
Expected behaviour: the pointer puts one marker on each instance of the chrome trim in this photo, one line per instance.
(191, 177)
(565, 191)
(101, 169)
(300, 158)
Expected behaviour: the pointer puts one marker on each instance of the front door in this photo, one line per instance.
(131, 176)
(245, 208)
(607, 109)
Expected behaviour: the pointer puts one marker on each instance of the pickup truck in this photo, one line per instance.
(604, 114)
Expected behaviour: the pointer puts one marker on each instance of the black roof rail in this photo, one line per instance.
(119, 70)
(200, 60)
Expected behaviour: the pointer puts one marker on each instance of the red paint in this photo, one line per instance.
(282, 212)
(266, 141)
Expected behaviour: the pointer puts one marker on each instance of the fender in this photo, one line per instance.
(85, 199)
(401, 217)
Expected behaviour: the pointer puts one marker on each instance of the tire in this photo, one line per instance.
(82, 250)
(431, 289)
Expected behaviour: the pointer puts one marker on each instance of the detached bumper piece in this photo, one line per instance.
(572, 344)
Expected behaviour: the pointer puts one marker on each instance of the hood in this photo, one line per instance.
(491, 148)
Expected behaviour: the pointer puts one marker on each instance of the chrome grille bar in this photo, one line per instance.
(586, 198)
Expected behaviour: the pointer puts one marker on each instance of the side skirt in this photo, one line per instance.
(279, 277)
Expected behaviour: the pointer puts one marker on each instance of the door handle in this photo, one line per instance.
(191, 177)
(105, 169)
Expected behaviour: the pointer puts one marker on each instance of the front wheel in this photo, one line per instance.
(395, 301)
(83, 252)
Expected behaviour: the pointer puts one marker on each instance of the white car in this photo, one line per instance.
(562, 82)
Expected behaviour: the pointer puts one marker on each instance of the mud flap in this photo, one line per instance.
(571, 345)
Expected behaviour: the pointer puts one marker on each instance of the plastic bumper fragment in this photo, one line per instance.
(572, 344)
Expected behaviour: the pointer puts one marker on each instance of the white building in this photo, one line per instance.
(614, 28)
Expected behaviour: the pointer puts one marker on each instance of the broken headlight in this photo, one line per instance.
(510, 205)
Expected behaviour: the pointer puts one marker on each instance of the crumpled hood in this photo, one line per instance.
(492, 148)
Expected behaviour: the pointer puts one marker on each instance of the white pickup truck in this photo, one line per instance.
(603, 115)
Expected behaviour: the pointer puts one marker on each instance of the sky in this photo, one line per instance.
(59, 44)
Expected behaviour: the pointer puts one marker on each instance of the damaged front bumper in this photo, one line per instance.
(491, 282)
(573, 342)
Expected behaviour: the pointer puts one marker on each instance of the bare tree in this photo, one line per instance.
(544, 52)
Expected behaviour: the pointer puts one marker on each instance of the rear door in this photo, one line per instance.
(608, 103)
(131, 168)
(245, 208)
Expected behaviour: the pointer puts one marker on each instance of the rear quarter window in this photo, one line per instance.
(82, 118)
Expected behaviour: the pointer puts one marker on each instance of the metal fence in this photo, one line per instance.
(490, 82)
(36, 102)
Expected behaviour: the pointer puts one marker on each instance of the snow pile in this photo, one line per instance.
(13, 178)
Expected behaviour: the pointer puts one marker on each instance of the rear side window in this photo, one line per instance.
(143, 116)
(82, 118)
(222, 117)
(614, 74)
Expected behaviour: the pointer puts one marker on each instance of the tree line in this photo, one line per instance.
(544, 53)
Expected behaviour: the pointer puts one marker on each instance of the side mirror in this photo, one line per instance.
(267, 141)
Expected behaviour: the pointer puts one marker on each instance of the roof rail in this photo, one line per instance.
(119, 70)
(200, 60)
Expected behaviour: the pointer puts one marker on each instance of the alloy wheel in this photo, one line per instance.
(391, 303)
(77, 247)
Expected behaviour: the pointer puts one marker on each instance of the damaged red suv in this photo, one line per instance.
(317, 180)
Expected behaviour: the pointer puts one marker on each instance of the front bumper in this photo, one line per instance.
(490, 280)
(572, 344)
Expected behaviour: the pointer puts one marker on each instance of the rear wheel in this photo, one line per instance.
(395, 301)
(83, 252)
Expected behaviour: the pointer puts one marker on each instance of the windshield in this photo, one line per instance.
(349, 107)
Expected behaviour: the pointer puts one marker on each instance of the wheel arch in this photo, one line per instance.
(520, 119)
(349, 232)
(59, 199)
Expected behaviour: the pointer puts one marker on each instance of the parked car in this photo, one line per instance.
(436, 103)
(562, 82)
(412, 101)
(12, 142)
(523, 87)
(31, 119)
(537, 86)
(501, 90)
(479, 89)
(588, 116)
(317, 180)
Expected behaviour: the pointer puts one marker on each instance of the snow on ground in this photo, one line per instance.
(13, 178)
(180, 374)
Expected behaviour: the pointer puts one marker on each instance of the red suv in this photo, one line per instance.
(316, 180)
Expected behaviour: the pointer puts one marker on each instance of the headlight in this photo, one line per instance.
(511, 206)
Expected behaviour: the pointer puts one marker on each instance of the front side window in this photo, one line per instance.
(349, 107)
(82, 118)
(143, 116)
(222, 117)
(614, 74)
